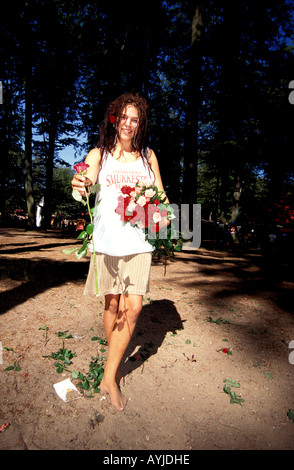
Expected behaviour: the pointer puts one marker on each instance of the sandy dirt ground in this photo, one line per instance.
(216, 316)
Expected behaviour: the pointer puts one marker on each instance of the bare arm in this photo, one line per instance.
(93, 160)
(158, 182)
(155, 167)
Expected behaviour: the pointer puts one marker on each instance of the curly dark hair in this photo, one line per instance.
(108, 129)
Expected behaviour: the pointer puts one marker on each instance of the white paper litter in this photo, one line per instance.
(67, 391)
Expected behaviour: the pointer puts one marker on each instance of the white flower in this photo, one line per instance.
(142, 201)
(156, 217)
(150, 193)
(131, 206)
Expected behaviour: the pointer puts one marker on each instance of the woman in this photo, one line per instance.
(123, 255)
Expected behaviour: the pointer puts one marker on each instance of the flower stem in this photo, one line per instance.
(94, 253)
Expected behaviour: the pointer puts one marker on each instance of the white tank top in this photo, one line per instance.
(111, 236)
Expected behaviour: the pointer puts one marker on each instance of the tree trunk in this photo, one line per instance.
(49, 172)
(231, 108)
(28, 139)
(237, 195)
(192, 111)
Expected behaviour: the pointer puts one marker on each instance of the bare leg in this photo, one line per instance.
(110, 317)
(110, 314)
(119, 333)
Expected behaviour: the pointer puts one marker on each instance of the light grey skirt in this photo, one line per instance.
(119, 274)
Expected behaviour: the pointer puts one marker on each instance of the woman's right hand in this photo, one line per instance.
(79, 182)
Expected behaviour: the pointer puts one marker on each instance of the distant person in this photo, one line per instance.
(272, 238)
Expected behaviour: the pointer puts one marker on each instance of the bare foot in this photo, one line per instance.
(120, 380)
(118, 400)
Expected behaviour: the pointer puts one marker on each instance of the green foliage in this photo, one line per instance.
(16, 367)
(62, 200)
(65, 356)
(290, 414)
(218, 321)
(100, 340)
(90, 382)
(234, 398)
(244, 123)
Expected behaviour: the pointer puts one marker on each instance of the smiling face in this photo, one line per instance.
(127, 126)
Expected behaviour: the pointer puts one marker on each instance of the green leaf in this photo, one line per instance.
(90, 229)
(59, 367)
(178, 247)
(69, 251)
(83, 250)
(232, 383)
(77, 196)
(290, 414)
(152, 241)
(82, 235)
(95, 188)
(63, 335)
(83, 247)
(9, 368)
(81, 254)
(44, 327)
(86, 385)
(94, 210)
(268, 375)
(234, 398)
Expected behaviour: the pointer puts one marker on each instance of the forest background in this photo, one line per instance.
(217, 75)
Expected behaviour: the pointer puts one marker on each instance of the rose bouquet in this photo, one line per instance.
(86, 235)
(144, 206)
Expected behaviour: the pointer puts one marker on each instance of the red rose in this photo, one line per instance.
(112, 118)
(135, 218)
(81, 167)
(225, 350)
(151, 209)
(164, 213)
(127, 201)
(155, 228)
(127, 190)
(120, 210)
(156, 202)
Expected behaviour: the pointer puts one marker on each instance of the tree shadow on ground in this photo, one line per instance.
(17, 248)
(156, 319)
(239, 273)
(36, 276)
